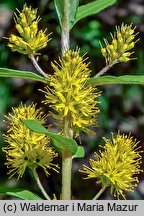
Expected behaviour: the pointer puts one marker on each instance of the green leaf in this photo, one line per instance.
(80, 152)
(108, 80)
(61, 143)
(20, 193)
(6, 72)
(92, 8)
(71, 11)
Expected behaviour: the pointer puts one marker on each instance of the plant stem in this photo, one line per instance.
(105, 69)
(99, 193)
(40, 186)
(66, 165)
(66, 177)
(38, 68)
(65, 29)
(66, 157)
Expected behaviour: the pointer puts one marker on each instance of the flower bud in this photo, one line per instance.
(114, 43)
(104, 52)
(124, 59)
(124, 48)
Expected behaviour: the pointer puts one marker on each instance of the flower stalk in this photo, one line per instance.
(40, 186)
(105, 69)
(99, 193)
(36, 65)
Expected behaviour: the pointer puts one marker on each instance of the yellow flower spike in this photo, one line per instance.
(25, 148)
(122, 41)
(28, 15)
(117, 165)
(32, 40)
(69, 96)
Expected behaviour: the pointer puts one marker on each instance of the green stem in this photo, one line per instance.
(66, 165)
(40, 186)
(66, 157)
(66, 177)
(99, 193)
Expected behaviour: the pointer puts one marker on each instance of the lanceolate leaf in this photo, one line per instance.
(61, 143)
(109, 80)
(20, 193)
(5, 72)
(92, 8)
(59, 5)
(71, 10)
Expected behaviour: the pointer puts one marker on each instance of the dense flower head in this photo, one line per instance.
(31, 40)
(69, 95)
(117, 165)
(26, 148)
(122, 42)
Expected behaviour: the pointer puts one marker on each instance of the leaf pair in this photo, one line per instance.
(97, 81)
(76, 13)
(61, 143)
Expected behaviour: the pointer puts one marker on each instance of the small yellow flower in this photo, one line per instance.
(68, 95)
(117, 165)
(122, 43)
(26, 148)
(31, 40)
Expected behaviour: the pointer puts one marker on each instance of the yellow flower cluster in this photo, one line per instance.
(69, 96)
(26, 148)
(31, 40)
(117, 165)
(122, 43)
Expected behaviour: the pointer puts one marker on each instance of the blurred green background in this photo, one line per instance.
(122, 107)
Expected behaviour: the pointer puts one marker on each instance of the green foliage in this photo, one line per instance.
(80, 152)
(61, 143)
(6, 72)
(72, 6)
(107, 80)
(92, 8)
(76, 13)
(20, 193)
